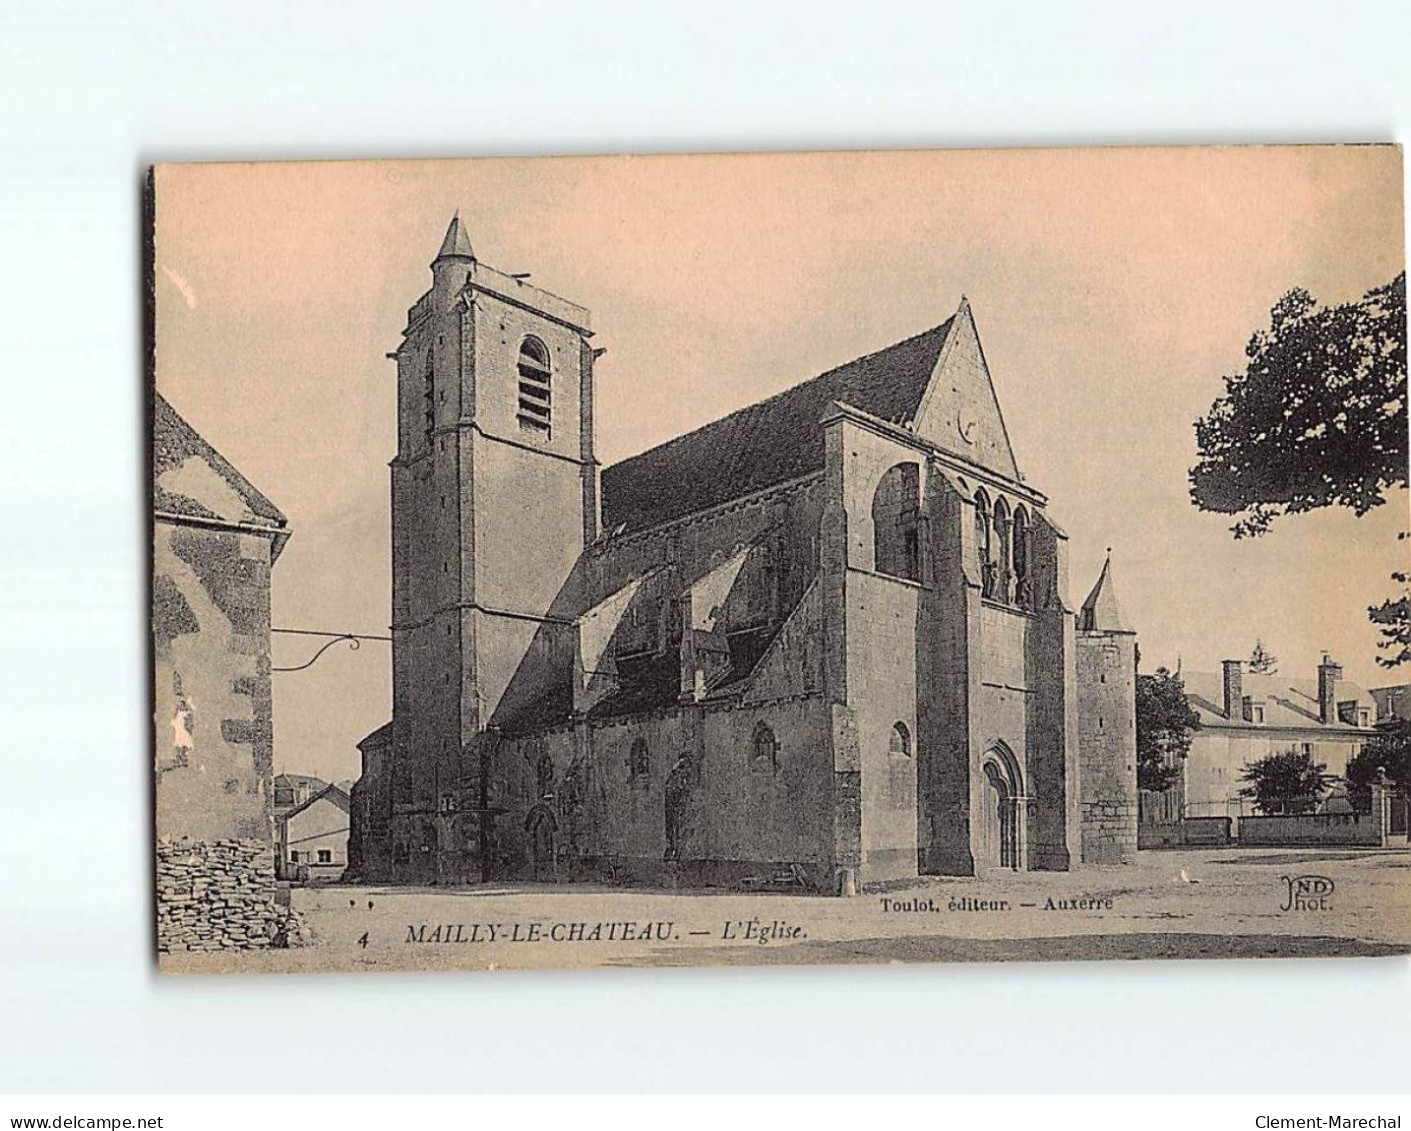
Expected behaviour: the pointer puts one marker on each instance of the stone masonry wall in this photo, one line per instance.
(1107, 741)
(212, 697)
(220, 896)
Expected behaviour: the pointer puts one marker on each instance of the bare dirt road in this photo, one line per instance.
(1176, 904)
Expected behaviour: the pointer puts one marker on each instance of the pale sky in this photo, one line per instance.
(1112, 290)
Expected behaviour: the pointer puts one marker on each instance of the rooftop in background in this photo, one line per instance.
(293, 790)
(330, 793)
(1393, 702)
(1289, 703)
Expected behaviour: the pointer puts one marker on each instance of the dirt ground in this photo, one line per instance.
(1172, 904)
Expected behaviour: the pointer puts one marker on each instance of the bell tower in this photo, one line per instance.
(494, 498)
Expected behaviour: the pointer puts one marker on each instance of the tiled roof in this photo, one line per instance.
(294, 781)
(173, 443)
(650, 685)
(1287, 702)
(552, 708)
(332, 793)
(770, 442)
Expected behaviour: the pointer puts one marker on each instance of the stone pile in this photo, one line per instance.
(220, 896)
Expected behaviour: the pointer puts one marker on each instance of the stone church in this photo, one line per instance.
(825, 641)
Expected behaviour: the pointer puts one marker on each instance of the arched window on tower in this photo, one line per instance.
(535, 400)
(896, 520)
(1002, 541)
(984, 542)
(1022, 554)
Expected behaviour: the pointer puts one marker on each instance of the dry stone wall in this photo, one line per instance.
(220, 896)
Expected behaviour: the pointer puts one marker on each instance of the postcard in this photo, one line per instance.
(779, 558)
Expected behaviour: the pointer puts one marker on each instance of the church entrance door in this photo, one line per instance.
(998, 846)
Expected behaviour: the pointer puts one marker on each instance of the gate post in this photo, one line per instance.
(1381, 812)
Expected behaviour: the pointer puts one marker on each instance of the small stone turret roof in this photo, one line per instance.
(1101, 612)
(457, 242)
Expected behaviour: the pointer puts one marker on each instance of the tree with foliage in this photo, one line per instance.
(1261, 662)
(1165, 723)
(1385, 758)
(1393, 621)
(1318, 417)
(1285, 783)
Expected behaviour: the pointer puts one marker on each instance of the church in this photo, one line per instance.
(825, 642)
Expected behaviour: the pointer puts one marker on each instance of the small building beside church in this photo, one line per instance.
(825, 641)
(311, 840)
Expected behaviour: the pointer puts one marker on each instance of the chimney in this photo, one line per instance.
(1234, 688)
(1328, 675)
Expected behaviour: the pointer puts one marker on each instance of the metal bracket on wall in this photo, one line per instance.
(354, 640)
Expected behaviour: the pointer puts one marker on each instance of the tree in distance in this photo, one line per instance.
(1286, 783)
(1165, 723)
(1386, 758)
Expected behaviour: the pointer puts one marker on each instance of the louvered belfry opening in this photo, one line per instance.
(535, 390)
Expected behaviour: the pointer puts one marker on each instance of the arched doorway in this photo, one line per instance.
(543, 831)
(999, 837)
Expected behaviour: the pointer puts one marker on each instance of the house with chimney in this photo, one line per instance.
(1393, 702)
(1245, 716)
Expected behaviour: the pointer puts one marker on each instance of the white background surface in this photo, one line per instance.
(87, 99)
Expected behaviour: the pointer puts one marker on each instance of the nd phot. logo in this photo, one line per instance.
(1307, 893)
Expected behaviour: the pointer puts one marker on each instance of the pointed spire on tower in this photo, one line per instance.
(1100, 612)
(456, 245)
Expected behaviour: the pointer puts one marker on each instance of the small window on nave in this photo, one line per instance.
(639, 759)
(764, 753)
(900, 742)
(535, 393)
(901, 776)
